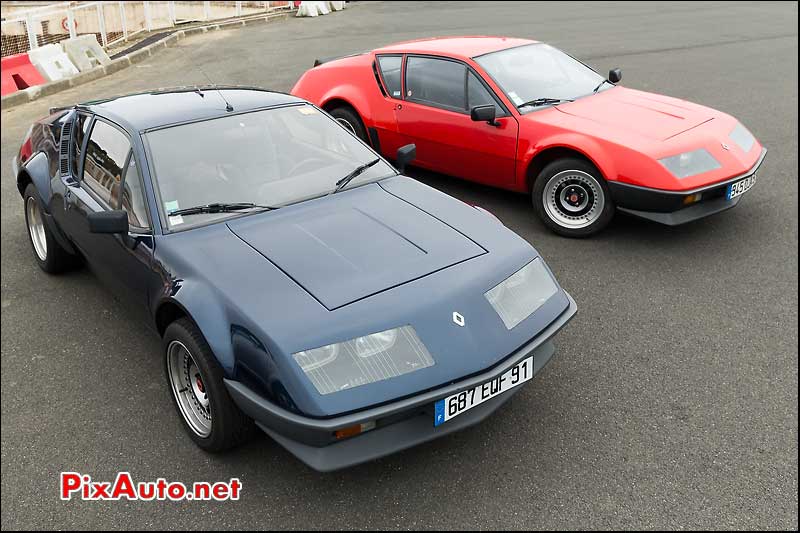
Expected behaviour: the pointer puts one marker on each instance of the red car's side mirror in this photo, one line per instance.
(484, 113)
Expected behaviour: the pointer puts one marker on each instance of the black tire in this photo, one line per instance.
(592, 218)
(229, 426)
(348, 118)
(56, 258)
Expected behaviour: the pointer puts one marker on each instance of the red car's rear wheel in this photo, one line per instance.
(350, 120)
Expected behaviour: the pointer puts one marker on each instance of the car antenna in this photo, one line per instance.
(228, 106)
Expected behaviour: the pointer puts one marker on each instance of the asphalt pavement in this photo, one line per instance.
(671, 401)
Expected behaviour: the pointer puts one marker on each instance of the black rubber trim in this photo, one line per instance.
(687, 214)
(374, 140)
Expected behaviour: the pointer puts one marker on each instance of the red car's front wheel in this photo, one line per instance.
(572, 198)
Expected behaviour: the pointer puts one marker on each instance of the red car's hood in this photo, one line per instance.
(650, 115)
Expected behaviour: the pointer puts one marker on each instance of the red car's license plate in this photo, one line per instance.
(738, 188)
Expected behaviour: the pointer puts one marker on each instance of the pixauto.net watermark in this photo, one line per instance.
(80, 486)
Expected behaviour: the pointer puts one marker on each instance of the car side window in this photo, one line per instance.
(391, 67)
(478, 94)
(132, 200)
(106, 153)
(81, 126)
(437, 82)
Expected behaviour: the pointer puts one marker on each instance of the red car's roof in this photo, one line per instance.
(459, 47)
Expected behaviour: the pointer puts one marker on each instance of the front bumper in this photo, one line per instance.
(667, 207)
(399, 425)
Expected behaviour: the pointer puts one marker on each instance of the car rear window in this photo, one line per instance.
(391, 67)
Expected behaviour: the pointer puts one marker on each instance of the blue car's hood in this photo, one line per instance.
(372, 258)
(362, 244)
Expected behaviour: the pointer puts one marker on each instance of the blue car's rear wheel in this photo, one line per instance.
(49, 254)
(194, 379)
(572, 198)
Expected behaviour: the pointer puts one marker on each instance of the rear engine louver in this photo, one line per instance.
(63, 154)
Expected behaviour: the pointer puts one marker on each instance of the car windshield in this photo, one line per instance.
(272, 157)
(535, 71)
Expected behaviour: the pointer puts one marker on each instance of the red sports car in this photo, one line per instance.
(524, 116)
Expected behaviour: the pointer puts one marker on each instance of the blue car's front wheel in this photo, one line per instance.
(194, 378)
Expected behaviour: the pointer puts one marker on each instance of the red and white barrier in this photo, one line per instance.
(17, 72)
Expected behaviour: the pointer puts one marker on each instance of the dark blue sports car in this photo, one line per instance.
(299, 282)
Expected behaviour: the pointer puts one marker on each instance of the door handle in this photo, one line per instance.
(398, 107)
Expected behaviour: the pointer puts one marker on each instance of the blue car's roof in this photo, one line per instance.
(152, 109)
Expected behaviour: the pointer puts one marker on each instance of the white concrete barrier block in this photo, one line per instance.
(312, 9)
(52, 63)
(85, 52)
(336, 6)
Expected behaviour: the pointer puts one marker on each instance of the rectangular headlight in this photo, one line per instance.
(522, 293)
(690, 163)
(383, 355)
(742, 137)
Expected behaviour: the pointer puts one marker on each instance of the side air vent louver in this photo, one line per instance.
(66, 136)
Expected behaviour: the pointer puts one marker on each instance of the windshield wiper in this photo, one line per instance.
(218, 208)
(342, 183)
(543, 101)
(601, 84)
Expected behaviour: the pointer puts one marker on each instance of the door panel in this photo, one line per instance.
(390, 69)
(434, 116)
(120, 261)
(452, 143)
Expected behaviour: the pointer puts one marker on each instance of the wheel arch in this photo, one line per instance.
(350, 96)
(198, 305)
(553, 152)
(36, 170)
(167, 312)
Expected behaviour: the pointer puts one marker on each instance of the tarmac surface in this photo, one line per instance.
(671, 401)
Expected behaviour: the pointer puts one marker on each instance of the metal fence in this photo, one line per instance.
(112, 22)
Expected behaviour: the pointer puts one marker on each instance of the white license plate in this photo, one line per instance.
(738, 188)
(452, 406)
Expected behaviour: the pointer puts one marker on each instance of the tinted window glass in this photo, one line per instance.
(436, 81)
(132, 199)
(534, 71)
(477, 94)
(271, 157)
(105, 158)
(79, 134)
(390, 69)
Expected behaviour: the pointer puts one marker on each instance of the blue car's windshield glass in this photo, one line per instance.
(272, 157)
(526, 73)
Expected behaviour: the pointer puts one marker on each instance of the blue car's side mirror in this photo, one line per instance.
(115, 221)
